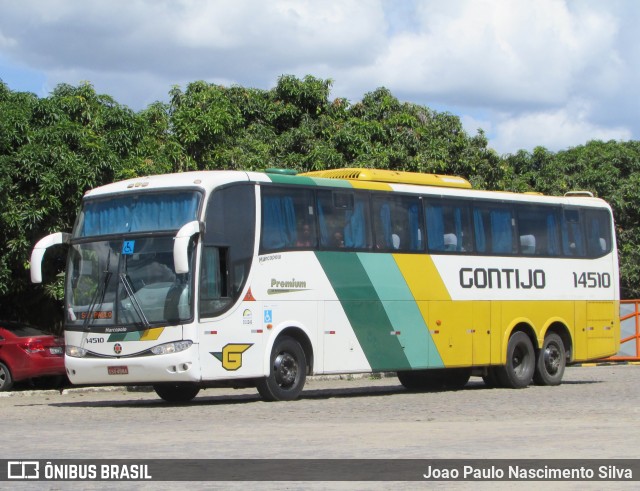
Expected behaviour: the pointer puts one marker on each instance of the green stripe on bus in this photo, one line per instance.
(284, 179)
(364, 310)
(309, 181)
(402, 310)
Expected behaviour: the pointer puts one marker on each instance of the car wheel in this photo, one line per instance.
(6, 381)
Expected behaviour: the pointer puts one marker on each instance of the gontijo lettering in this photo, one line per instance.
(502, 278)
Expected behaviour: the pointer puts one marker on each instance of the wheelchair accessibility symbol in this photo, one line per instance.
(127, 247)
(268, 316)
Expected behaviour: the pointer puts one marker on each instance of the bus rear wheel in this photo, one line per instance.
(177, 393)
(287, 374)
(551, 361)
(521, 361)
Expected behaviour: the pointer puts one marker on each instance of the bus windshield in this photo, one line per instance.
(134, 213)
(130, 282)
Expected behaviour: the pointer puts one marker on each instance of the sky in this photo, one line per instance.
(552, 73)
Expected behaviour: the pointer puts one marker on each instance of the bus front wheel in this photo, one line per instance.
(287, 374)
(177, 393)
(551, 362)
(521, 361)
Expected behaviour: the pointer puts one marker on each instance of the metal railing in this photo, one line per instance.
(629, 332)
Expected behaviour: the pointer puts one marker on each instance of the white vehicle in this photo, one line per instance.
(214, 278)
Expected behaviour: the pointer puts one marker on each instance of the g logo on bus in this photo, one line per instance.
(231, 355)
(117, 348)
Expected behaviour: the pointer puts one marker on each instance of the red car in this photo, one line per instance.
(27, 353)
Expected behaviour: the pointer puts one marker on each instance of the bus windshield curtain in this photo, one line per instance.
(354, 229)
(138, 214)
(385, 219)
(435, 228)
(414, 228)
(278, 222)
(501, 232)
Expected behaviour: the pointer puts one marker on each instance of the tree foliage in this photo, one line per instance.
(54, 149)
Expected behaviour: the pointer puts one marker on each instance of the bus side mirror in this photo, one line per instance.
(35, 264)
(181, 246)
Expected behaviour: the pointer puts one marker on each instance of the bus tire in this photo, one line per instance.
(551, 361)
(413, 380)
(521, 362)
(288, 371)
(6, 381)
(177, 393)
(456, 378)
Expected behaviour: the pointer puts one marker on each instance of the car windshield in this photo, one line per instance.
(129, 282)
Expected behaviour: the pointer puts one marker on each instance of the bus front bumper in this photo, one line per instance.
(175, 367)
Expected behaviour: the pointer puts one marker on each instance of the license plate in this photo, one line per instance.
(55, 351)
(118, 370)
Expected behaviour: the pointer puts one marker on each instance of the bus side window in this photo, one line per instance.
(343, 219)
(493, 228)
(214, 291)
(288, 220)
(572, 234)
(448, 226)
(598, 232)
(396, 223)
(538, 229)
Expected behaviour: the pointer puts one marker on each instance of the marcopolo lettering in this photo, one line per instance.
(508, 278)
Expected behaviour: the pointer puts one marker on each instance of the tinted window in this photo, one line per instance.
(538, 230)
(448, 226)
(288, 219)
(397, 223)
(598, 232)
(227, 247)
(493, 229)
(343, 219)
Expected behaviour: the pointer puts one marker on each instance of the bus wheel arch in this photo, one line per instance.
(288, 367)
(520, 363)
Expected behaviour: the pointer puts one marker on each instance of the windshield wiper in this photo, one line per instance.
(100, 292)
(134, 301)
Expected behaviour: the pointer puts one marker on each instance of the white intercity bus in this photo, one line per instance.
(231, 278)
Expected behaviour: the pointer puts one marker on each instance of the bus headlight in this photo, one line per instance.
(75, 351)
(168, 348)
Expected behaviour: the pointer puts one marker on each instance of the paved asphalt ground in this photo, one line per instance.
(594, 414)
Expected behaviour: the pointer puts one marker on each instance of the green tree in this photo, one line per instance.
(52, 150)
